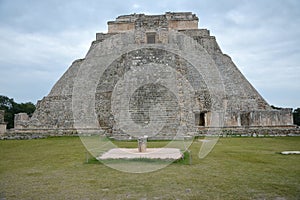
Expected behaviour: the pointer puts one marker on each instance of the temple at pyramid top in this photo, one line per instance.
(170, 20)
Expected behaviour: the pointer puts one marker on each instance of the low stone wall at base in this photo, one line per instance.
(252, 131)
(203, 131)
(25, 134)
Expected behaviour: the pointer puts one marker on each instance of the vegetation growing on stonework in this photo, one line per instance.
(11, 108)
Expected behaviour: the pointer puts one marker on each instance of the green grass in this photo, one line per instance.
(237, 168)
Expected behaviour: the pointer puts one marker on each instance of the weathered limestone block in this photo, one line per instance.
(271, 117)
(2, 122)
(21, 121)
(2, 112)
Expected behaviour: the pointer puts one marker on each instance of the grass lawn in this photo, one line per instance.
(237, 168)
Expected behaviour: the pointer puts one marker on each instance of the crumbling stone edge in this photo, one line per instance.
(224, 132)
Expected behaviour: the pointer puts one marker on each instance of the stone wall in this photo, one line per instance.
(150, 93)
(2, 122)
(2, 112)
(202, 131)
(175, 21)
(259, 118)
(24, 134)
(21, 120)
(267, 131)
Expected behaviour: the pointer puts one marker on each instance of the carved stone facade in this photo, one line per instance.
(132, 68)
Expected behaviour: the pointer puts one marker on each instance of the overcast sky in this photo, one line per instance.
(39, 39)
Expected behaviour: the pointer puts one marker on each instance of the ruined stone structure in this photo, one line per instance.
(2, 123)
(147, 64)
(21, 121)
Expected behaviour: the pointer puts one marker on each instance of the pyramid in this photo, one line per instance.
(154, 75)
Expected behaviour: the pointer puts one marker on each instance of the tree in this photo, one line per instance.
(28, 108)
(296, 116)
(11, 108)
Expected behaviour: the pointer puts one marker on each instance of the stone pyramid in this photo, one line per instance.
(155, 75)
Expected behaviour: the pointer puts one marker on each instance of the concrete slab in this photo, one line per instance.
(290, 152)
(133, 153)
